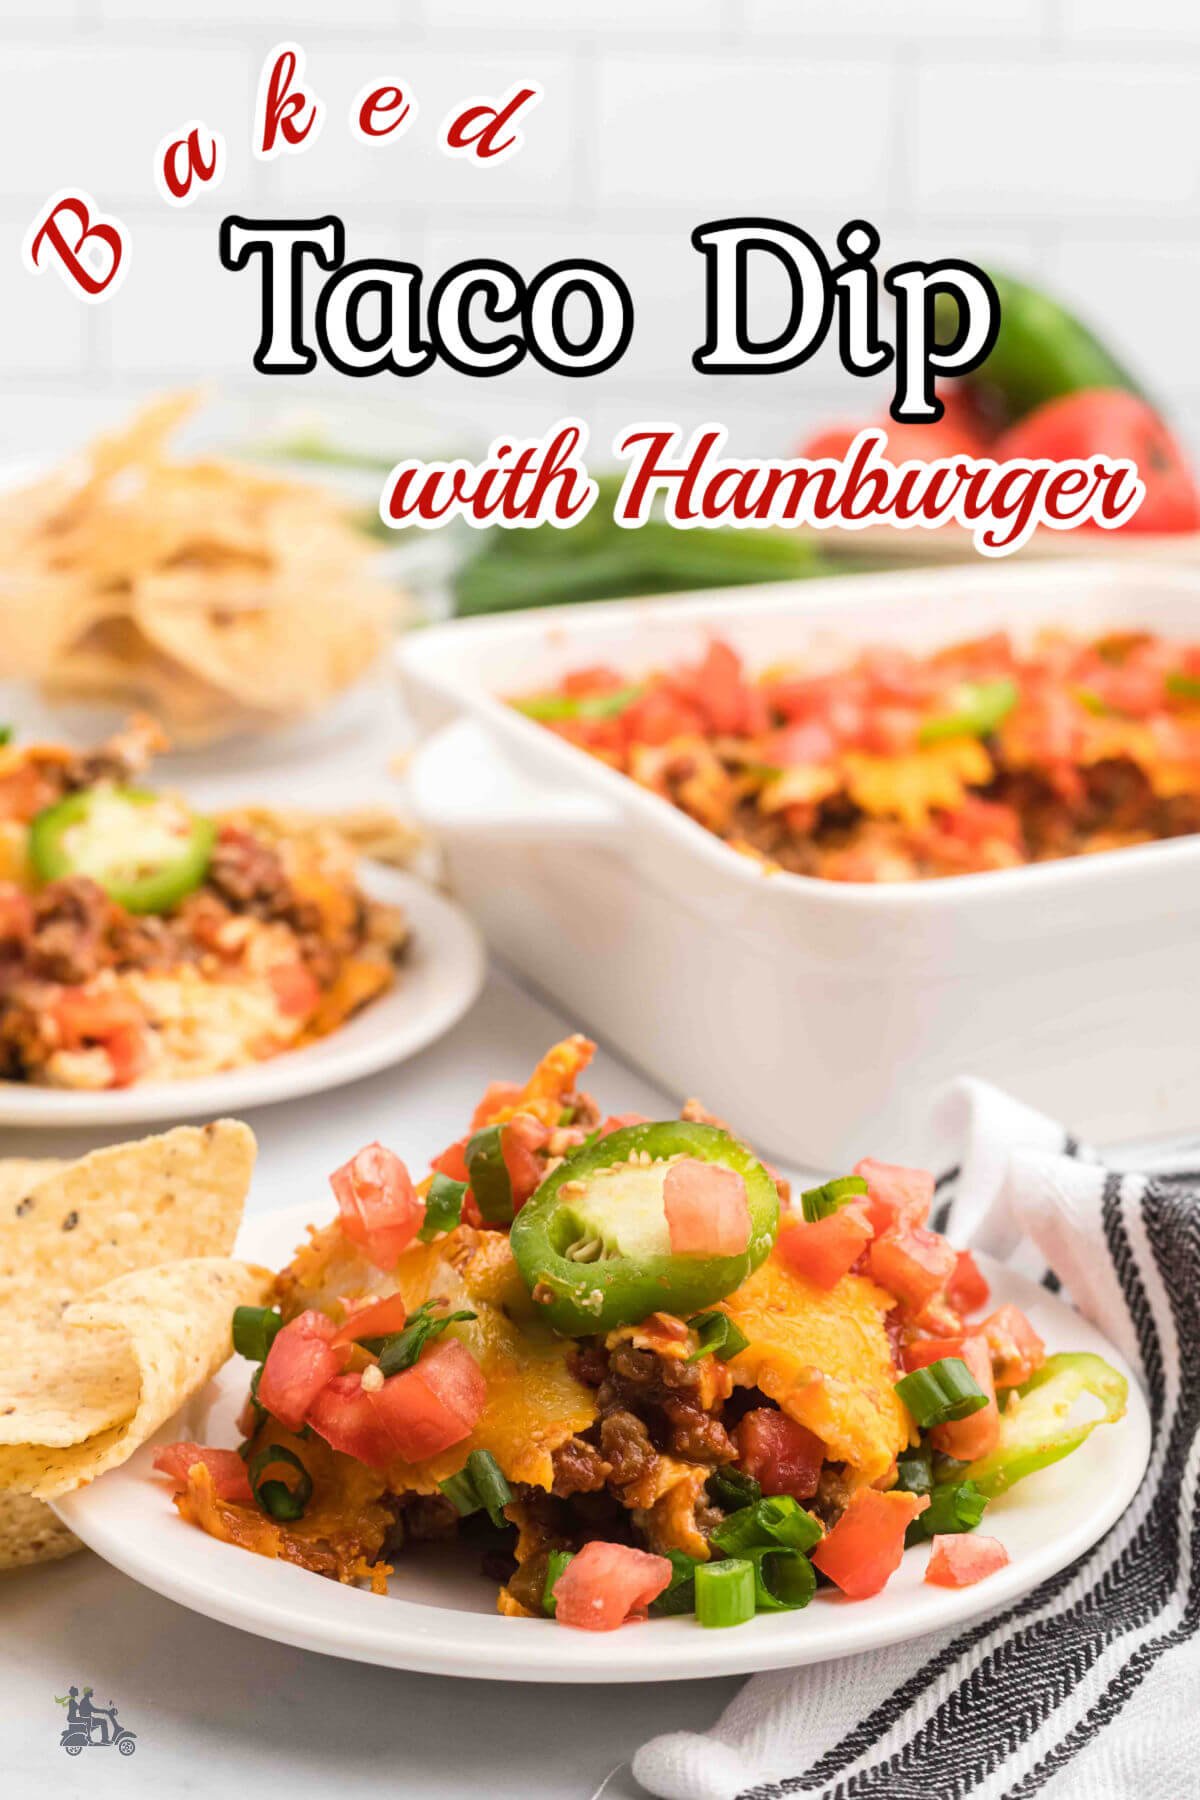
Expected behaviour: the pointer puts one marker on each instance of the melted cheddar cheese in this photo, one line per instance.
(823, 1356)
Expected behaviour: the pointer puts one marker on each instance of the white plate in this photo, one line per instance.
(438, 980)
(440, 1614)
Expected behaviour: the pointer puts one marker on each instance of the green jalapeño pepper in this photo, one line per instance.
(145, 850)
(593, 1244)
(979, 708)
(1036, 1427)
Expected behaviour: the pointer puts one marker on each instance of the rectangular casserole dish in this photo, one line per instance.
(819, 1017)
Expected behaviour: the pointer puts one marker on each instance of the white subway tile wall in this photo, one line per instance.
(1055, 138)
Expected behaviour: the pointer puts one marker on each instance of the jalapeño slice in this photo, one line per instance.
(593, 1245)
(147, 851)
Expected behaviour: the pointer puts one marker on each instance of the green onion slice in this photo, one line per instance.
(730, 1489)
(254, 1331)
(914, 1471)
(784, 1579)
(443, 1206)
(479, 1486)
(819, 1202)
(1183, 687)
(940, 1392)
(718, 1335)
(275, 1497)
(259, 1408)
(979, 708)
(489, 1176)
(679, 1596)
(953, 1506)
(579, 706)
(725, 1592)
(777, 1520)
(554, 1568)
(402, 1348)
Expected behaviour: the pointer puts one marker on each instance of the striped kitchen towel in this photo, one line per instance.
(1089, 1688)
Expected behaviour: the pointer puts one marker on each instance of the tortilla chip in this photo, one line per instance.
(173, 1322)
(127, 1207)
(56, 1390)
(30, 1533)
(18, 1175)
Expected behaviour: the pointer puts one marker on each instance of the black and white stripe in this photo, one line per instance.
(1012, 1706)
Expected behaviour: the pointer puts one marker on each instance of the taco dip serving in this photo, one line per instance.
(142, 942)
(616, 1369)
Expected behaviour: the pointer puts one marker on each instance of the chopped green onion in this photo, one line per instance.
(443, 1206)
(257, 1404)
(6, 732)
(490, 1183)
(402, 1348)
(679, 1596)
(725, 1592)
(1183, 687)
(579, 706)
(566, 1116)
(819, 1202)
(479, 1486)
(1093, 702)
(784, 1579)
(718, 1335)
(914, 1471)
(275, 1497)
(953, 1506)
(942, 1391)
(254, 1331)
(554, 1568)
(777, 1520)
(730, 1489)
(979, 708)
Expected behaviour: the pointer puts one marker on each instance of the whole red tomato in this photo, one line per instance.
(1110, 422)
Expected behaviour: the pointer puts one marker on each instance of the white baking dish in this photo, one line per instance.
(818, 1016)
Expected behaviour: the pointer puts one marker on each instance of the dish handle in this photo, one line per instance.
(463, 785)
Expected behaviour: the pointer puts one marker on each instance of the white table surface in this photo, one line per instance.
(220, 1712)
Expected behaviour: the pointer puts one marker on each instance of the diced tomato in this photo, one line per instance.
(720, 688)
(708, 1213)
(862, 1552)
(346, 1419)
(961, 1559)
(92, 1017)
(375, 1319)
(228, 1471)
(453, 1161)
(16, 915)
(978, 822)
(800, 745)
(1016, 1348)
(618, 1122)
(520, 1140)
(828, 1248)
(499, 1097)
(301, 1360)
(923, 1351)
(966, 1289)
(595, 678)
(660, 716)
(966, 1439)
(912, 1263)
(605, 1584)
(129, 1054)
(783, 1456)
(379, 1208)
(895, 1195)
(295, 989)
(434, 1404)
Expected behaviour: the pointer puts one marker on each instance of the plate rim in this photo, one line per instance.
(417, 1637)
(457, 953)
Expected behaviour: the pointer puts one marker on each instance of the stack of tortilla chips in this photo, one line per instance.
(116, 1293)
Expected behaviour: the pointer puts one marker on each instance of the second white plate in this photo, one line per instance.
(438, 980)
